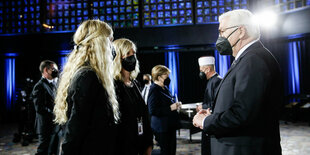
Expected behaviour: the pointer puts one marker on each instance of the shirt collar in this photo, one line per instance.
(244, 48)
(49, 81)
(213, 75)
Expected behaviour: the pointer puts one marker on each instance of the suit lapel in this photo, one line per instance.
(48, 87)
(253, 46)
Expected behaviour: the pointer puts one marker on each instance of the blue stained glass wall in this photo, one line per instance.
(66, 15)
(119, 13)
(287, 5)
(208, 11)
(20, 16)
(167, 12)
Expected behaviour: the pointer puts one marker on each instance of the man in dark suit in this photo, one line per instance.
(147, 80)
(247, 103)
(207, 71)
(43, 98)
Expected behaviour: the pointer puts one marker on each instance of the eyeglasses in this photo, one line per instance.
(222, 31)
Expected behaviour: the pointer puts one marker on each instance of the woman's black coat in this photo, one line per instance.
(90, 128)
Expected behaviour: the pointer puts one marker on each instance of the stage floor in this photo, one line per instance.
(295, 140)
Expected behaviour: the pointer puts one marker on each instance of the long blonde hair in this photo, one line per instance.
(122, 47)
(93, 46)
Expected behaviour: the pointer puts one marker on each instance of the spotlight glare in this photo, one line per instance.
(267, 19)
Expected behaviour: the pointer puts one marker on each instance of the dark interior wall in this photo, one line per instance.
(191, 87)
(178, 35)
(148, 61)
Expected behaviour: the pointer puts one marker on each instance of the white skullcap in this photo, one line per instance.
(206, 60)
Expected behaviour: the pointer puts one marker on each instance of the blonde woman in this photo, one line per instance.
(134, 131)
(163, 110)
(85, 102)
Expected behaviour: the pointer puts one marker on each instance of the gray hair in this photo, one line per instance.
(242, 17)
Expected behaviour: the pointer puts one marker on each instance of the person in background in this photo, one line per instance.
(207, 71)
(135, 135)
(163, 110)
(147, 80)
(43, 95)
(86, 102)
(245, 119)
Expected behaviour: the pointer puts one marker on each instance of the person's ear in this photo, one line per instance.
(208, 69)
(45, 70)
(242, 32)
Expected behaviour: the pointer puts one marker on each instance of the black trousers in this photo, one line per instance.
(44, 143)
(49, 142)
(205, 144)
(56, 137)
(167, 142)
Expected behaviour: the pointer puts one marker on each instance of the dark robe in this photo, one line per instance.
(208, 102)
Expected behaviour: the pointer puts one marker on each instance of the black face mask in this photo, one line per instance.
(55, 73)
(145, 81)
(167, 81)
(202, 75)
(129, 63)
(223, 46)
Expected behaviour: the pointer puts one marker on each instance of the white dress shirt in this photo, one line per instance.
(145, 92)
(244, 48)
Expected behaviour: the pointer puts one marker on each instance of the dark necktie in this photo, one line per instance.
(52, 85)
(234, 62)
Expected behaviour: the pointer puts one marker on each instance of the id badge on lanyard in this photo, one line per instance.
(140, 126)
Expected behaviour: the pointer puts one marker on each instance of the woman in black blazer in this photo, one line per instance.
(134, 130)
(85, 102)
(163, 110)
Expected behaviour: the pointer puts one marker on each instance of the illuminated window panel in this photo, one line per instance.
(167, 12)
(208, 11)
(65, 15)
(20, 16)
(287, 5)
(118, 13)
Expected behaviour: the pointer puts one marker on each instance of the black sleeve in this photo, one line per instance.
(38, 98)
(154, 104)
(205, 106)
(251, 81)
(214, 88)
(83, 96)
